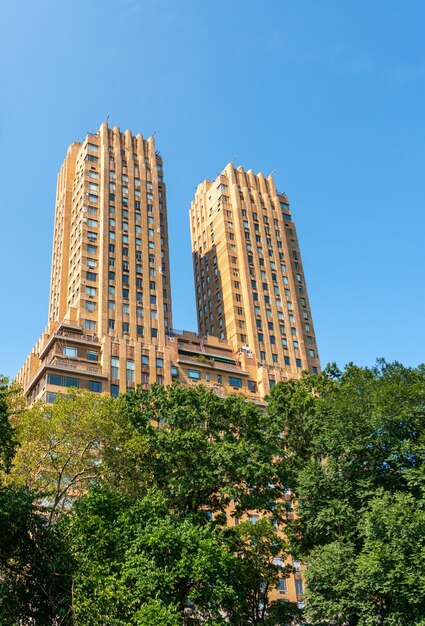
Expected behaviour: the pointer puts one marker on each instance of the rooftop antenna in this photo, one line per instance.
(271, 173)
(107, 118)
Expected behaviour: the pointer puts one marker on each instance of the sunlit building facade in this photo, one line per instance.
(249, 279)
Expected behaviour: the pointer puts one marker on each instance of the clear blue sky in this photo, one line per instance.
(328, 93)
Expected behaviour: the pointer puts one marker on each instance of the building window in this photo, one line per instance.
(160, 363)
(194, 374)
(115, 390)
(111, 324)
(235, 382)
(92, 355)
(298, 363)
(145, 359)
(115, 367)
(174, 371)
(95, 385)
(89, 325)
(63, 381)
(54, 379)
(70, 352)
(90, 291)
(129, 371)
(91, 276)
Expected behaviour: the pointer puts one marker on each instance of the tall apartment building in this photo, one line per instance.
(110, 297)
(249, 279)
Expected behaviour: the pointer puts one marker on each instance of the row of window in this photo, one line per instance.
(72, 353)
(71, 381)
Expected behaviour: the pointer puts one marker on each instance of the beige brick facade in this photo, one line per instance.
(249, 279)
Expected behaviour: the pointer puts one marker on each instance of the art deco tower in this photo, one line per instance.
(110, 249)
(249, 279)
(110, 297)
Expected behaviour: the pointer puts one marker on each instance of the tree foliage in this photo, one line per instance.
(138, 490)
(356, 440)
(8, 405)
(63, 447)
(136, 510)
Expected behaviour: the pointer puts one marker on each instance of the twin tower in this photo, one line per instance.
(110, 316)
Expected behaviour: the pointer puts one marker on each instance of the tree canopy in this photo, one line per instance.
(172, 506)
(356, 444)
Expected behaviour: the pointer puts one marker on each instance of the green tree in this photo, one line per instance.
(355, 440)
(121, 511)
(35, 573)
(8, 405)
(63, 447)
(35, 566)
(135, 556)
(200, 451)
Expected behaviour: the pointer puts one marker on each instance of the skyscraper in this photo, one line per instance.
(110, 298)
(110, 249)
(249, 279)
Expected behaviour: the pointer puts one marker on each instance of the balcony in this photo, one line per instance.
(75, 365)
(66, 332)
(69, 334)
(202, 361)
